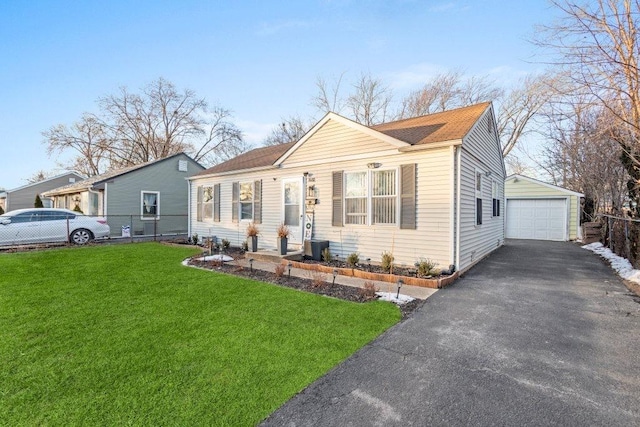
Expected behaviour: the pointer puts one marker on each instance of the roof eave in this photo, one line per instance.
(430, 146)
(232, 172)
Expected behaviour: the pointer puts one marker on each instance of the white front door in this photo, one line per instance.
(293, 208)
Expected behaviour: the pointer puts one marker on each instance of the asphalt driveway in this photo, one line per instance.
(539, 333)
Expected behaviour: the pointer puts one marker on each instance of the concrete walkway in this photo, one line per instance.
(412, 291)
(538, 334)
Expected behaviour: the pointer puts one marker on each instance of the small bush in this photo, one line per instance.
(279, 270)
(368, 291)
(245, 246)
(326, 255)
(76, 208)
(38, 202)
(194, 238)
(353, 259)
(318, 280)
(1, 210)
(387, 262)
(425, 267)
(225, 244)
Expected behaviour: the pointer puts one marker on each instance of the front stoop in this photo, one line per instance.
(274, 256)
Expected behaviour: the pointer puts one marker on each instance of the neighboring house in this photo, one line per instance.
(150, 198)
(541, 211)
(426, 187)
(3, 200)
(25, 196)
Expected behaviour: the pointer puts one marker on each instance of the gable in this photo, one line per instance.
(522, 186)
(336, 140)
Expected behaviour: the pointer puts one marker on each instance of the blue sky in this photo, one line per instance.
(259, 59)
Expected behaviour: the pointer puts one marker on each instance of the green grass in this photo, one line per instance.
(125, 335)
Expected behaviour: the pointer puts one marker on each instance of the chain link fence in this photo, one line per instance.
(48, 227)
(621, 235)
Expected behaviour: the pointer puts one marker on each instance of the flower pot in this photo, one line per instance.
(282, 245)
(253, 243)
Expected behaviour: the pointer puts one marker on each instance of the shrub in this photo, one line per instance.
(245, 246)
(283, 231)
(194, 238)
(368, 291)
(279, 270)
(387, 262)
(252, 229)
(318, 280)
(38, 202)
(326, 255)
(1, 210)
(225, 244)
(353, 259)
(425, 267)
(76, 208)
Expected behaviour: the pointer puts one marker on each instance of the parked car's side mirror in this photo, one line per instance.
(5, 222)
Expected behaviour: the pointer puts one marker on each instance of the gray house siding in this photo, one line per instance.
(24, 197)
(124, 197)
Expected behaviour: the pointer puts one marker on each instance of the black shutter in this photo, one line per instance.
(408, 196)
(235, 191)
(216, 202)
(257, 202)
(336, 198)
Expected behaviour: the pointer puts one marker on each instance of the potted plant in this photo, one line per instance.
(252, 236)
(283, 238)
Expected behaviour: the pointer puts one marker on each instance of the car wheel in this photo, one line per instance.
(81, 236)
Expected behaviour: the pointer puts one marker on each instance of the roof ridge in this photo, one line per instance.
(453, 110)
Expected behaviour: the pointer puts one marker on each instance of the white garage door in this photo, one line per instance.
(540, 219)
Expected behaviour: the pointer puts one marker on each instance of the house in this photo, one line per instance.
(3, 200)
(146, 199)
(25, 196)
(426, 187)
(541, 211)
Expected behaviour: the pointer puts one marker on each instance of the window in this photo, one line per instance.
(495, 198)
(478, 198)
(355, 198)
(150, 205)
(205, 204)
(246, 201)
(384, 197)
(375, 192)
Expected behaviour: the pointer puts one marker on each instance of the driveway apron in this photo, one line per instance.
(538, 333)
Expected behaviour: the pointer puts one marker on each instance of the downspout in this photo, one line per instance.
(104, 200)
(452, 208)
(458, 197)
(189, 208)
(97, 193)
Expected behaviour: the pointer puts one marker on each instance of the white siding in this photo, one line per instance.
(432, 238)
(480, 151)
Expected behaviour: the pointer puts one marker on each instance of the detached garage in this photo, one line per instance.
(540, 211)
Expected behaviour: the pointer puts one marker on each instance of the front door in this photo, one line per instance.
(293, 208)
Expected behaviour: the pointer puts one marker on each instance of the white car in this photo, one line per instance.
(42, 225)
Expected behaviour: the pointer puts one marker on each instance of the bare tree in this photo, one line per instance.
(328, 97)
(86, 138)
(135, 128)
(517, 110)
(597, 45)
(290, 129)
(370, 101)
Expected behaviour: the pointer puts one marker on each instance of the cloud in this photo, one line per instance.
(413, 76)
(271, 28)
(449, 7)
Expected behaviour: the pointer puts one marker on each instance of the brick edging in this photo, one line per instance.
(438, 283)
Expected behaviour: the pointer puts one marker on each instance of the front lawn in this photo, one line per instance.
(126, 335)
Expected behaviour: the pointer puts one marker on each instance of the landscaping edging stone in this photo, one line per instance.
(437, 283)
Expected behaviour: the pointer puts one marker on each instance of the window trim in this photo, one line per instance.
(252, 201)
(477, 182)
(144, 217)
(369, 173)
(495, 199)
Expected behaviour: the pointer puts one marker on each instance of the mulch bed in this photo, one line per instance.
(347, 293)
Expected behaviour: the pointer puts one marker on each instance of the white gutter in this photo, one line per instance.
(188, 208)
(430, 146)
(233, 172)
(458, 197)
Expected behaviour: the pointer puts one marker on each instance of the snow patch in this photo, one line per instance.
(224, 258)
(621, 265)
(391, 297)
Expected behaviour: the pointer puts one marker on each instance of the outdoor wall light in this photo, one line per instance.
(289, 265)
(251, 264)
(400, 283)
(335, 273)
(374, 165)
(488, 173)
